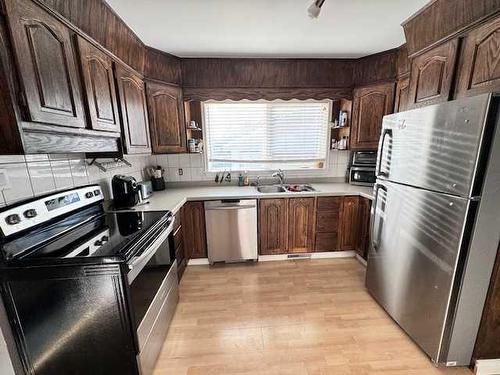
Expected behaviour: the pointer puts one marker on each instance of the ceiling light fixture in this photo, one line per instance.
(315, 8)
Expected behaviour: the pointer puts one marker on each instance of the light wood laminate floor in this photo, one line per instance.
(291, 317)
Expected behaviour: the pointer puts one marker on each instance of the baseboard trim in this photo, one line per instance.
(487, 367)
(361, 260)
(198, 262)
(278, 257)
(323, 255)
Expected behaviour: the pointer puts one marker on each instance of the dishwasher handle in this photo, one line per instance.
(233, 207)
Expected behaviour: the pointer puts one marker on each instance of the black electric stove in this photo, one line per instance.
(78, 234)
(96, 281)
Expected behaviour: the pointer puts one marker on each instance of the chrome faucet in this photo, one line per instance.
(279, 174)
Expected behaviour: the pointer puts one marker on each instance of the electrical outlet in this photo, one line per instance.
(4, 180)
(181, 172)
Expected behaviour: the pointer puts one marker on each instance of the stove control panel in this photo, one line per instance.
(25, 215)
(90, 246)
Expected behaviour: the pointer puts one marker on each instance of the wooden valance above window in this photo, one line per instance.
(203, 94)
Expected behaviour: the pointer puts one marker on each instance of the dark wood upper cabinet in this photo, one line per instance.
(432, 75)
(300, 225)
(370, 105)
(402, 95)
(99, 85)
(273, 234)
(349, 225)
(46, 61)
(166, 115)
(134, 114)
(193, 226)
(479, 70)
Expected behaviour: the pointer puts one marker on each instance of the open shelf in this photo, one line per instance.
(338, 132)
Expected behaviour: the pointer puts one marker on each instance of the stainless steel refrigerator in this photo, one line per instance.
(435, 222)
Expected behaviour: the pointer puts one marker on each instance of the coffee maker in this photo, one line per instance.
(126, 192)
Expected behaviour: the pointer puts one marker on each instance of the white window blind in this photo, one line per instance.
(266, 135)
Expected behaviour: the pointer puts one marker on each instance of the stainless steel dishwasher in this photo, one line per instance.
(231, 230)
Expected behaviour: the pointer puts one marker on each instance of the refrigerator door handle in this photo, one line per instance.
(386, 132)
(374, 232)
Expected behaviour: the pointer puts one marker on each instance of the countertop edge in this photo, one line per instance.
(173, 200)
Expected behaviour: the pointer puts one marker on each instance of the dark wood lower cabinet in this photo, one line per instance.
(273, 234)
(194, 236)
(327, 223)
(488, 337)
(349, 224)
(300, 225)
(177, 243)
(364, 227)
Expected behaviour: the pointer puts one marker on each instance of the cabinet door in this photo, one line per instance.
(133, 112)
(99, 84)
(166, 115)
(432, 75)
(47, 66)
(402, 95)
(300, 225)
(479, 70)
(193, 225)
(349, 223)
(273, 235)
(370, 105)
(364, 227)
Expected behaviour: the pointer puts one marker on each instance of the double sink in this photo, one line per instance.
(284, 188)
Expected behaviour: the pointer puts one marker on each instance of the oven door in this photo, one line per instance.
(364, 176)
(153, 292)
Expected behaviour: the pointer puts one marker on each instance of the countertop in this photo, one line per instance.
(174, 198)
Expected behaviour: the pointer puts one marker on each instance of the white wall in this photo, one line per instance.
(34, 175)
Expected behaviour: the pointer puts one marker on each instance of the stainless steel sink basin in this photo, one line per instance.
(288, 188)
(268, 189)
(297, 188)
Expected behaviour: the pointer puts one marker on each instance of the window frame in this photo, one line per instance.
(321, 170)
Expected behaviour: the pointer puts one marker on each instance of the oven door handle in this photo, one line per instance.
(148, 254)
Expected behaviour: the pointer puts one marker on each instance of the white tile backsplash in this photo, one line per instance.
(20, 183)
(173, 160)
(79, 172)
(41, 176)
(62, 174)
(184, 160)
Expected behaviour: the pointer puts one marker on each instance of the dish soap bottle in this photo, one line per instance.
(240, 180)
(246, 180)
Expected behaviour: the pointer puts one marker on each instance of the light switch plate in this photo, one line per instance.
(4, 180)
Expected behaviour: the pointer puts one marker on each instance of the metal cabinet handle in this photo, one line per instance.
(381, 153)
(374, 238)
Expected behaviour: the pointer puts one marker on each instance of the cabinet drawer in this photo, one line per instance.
(327, 221)
(326, 242)
(329, 204)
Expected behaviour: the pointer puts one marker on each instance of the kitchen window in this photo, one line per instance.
(266, 135)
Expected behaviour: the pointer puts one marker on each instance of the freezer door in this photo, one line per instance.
(436, 147)
(416, 236)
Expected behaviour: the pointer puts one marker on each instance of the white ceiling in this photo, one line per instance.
(267, 28)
